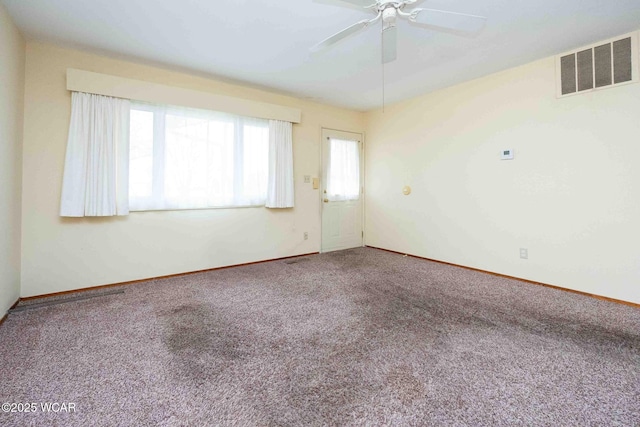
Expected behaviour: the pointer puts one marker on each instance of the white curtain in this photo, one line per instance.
(96, 171)
(343, 180)
(280, 188)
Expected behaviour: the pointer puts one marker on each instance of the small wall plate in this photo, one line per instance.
(506, 154)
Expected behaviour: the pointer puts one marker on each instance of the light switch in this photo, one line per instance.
(316, 183)
(307, 179)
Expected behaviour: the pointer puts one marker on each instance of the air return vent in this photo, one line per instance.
(605, 64)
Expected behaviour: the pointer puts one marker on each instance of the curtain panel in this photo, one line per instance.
(280, 185)
(95, 181)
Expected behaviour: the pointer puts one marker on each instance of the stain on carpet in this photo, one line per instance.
(436, 315)
(359, 337)
(202, 341)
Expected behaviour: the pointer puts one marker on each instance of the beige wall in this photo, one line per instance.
(62, 254)
(571, 196)
(12, 54)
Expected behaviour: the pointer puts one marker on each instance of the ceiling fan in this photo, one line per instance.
(389, 10)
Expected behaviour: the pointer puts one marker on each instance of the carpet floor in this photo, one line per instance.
(356, 337)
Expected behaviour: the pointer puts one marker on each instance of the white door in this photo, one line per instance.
(342, 190)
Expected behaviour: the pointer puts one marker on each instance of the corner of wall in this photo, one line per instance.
(12, 78)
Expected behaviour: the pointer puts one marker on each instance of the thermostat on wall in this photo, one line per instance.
(506, 154)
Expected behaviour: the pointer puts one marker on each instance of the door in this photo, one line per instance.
(342, 190)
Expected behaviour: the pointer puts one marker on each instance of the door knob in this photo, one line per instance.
(326, 200)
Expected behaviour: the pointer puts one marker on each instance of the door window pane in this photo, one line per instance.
(343, 180)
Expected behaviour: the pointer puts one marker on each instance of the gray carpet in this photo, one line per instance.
(357, 337)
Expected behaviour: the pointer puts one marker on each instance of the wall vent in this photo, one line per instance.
(606, 64)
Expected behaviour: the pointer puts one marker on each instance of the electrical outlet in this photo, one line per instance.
(306, 236)
(307, 179)
(524, 253)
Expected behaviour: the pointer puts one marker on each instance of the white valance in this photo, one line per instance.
(120, 87)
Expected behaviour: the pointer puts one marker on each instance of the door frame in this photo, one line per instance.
(325, 133)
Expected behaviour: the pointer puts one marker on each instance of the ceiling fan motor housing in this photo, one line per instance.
(389, 17)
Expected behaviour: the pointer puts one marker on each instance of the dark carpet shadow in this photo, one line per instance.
(202, 341)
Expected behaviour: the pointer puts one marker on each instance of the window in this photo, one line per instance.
(182, 158)
(343, 175)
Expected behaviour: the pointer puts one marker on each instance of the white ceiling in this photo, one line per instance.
(265, 43)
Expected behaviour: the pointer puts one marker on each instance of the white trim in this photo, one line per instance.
(138, 90)
(327, 133)
(634, 65)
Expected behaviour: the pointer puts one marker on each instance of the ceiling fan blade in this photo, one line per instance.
(389, 44)
(443, 20)
(341, 35)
